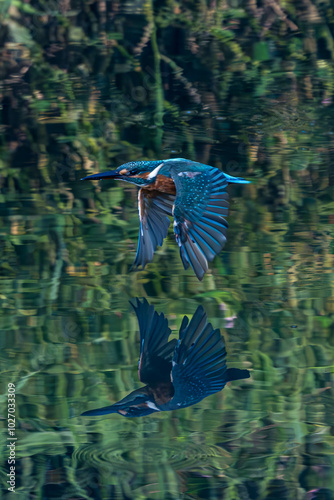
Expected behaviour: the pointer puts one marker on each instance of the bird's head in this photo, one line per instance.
(136, 411)
(136, 404)
(140, 173)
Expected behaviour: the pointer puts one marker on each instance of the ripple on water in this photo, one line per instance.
(134, 454)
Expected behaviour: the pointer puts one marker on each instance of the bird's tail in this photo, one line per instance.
(236, 374)
(236, 180)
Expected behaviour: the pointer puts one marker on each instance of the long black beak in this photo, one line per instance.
(111, 174)
(101, 411)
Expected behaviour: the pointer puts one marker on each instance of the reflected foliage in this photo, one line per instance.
(241, 85)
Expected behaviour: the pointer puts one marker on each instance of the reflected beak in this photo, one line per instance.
(111, 174)
(101, 411)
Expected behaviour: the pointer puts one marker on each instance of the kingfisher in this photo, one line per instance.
(177, 373)
(193, 193)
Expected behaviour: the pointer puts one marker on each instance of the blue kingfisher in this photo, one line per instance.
(177, 373)
(193, 193)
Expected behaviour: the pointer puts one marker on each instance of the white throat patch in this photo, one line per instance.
(152, 406)
(155, 172)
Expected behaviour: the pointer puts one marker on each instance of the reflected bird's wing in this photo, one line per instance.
(155, 360)
(154, 208)
(199, 363)
(200, 207)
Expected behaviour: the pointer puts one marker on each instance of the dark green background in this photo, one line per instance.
(245, 86)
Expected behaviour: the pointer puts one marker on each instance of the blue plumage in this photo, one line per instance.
(177, 373)
(193, 193)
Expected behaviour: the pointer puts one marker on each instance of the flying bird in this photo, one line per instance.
(177, 373)
(193, 193)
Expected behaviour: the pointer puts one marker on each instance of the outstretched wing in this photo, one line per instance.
(155, 360)
(199, 362)
(154, 208)
(199, 223)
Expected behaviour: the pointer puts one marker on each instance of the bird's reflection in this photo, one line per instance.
(177, 373)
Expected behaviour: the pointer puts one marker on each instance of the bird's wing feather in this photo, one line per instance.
(154, 208)
(199, 223)
(199, 361)
(155, 351)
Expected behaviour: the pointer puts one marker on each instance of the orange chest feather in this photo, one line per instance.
(163, 393)
(162, 184)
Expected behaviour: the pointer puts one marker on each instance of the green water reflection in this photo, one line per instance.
(246, 87)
